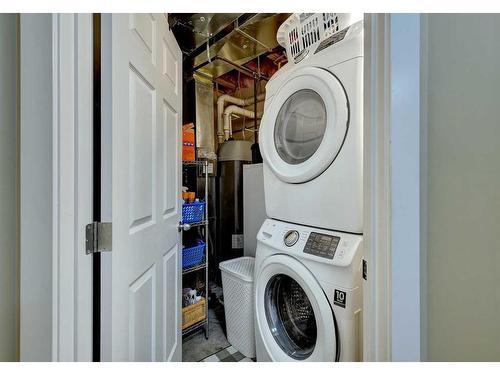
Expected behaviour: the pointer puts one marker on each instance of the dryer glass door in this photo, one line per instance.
(304, 125)
(300, 126)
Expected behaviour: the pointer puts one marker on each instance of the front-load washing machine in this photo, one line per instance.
(311, 134)
(308, 295)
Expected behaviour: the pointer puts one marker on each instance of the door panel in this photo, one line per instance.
(142, 137)
(170, 192)
(144, 71)
(142, 298)
(170, 70)
(170, 265)
(143, 26)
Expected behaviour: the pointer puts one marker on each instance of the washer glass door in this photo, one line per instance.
(290, 316)
(293, 315)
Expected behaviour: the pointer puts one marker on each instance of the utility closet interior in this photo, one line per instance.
(228, 58)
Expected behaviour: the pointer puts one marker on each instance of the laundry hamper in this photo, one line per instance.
(237, 287)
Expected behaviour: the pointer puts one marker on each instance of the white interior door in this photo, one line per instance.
(144, 63)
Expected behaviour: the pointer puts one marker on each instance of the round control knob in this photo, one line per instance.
(291, 238)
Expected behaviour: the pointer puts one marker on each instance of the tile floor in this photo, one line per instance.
(196, 347)
(228, 354)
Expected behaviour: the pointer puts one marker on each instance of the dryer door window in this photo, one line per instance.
(290, 316)
(300, 126)
(304, 125)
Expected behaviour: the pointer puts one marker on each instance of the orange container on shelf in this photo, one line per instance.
(188, 196)
(188, 146)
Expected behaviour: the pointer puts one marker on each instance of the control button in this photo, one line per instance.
(340, 253)
(291, 238)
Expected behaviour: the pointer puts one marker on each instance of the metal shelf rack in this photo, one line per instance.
(185, 227)
(194, 269)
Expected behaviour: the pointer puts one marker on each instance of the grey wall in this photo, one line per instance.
(9, 187)
(463, 187)
(36, 187)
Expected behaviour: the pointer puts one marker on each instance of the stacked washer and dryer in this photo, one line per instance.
(308, 264)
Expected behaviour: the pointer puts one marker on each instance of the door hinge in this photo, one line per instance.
(365, 269)
(98, 237)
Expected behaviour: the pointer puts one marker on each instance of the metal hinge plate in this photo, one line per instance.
(98, 237)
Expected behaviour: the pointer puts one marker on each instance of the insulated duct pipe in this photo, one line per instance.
(228, 130)
(221, 101)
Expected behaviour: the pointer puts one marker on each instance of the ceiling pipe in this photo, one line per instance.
(234, 109)
(222, 100)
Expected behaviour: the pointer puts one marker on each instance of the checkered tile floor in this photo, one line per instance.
(229, 354)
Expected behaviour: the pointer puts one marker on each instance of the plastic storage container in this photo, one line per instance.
(237, 286)
(193, 212)
(194, 255)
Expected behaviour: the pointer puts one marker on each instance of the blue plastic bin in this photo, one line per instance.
(193, 212)
(194, 255)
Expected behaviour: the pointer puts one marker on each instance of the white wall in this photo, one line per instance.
(405, 186)
(56, 186)
(36, 188)
(463, 187)
(9, 187)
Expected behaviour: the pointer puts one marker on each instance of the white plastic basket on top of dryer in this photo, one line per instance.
(237, 286)
(302, 32)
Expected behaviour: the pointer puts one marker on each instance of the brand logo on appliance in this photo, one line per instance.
(340, 298)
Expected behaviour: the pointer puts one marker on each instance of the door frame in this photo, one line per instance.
(56, 181)
(395, 199)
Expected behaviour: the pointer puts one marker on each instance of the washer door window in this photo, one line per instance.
(293, 315)
(304, 126)
(290, 316)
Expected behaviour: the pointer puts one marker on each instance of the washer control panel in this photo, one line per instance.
(322, 245)
(291, 238)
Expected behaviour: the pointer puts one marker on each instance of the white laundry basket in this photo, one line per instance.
(237, 286)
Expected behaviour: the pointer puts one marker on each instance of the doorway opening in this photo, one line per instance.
(239, 71)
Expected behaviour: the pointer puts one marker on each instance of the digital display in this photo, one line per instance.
(321, 245)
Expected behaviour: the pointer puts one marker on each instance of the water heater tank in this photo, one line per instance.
(232, 155)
